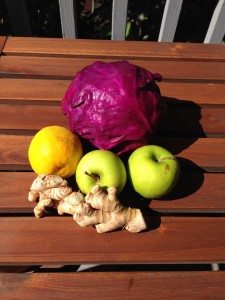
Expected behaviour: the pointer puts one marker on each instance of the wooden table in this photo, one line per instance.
(188, 226)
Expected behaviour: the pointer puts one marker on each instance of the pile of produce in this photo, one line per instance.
(116, 107)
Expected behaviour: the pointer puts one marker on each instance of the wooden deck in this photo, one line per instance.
(186, 227)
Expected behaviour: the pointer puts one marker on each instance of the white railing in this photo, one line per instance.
(216, 28)
(119, 16)
(169, 20)
(19, 19)
(68, 20)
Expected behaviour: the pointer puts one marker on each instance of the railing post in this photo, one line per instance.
(18, 17)
(67, 10)
(216, 28)
(119, 17)
(169, 20)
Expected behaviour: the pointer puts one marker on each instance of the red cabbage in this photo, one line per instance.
(116, 106)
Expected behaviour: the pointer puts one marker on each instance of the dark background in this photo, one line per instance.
(143, 19)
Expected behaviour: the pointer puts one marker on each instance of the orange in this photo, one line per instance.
(55, 150)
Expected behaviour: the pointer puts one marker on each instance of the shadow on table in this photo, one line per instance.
(179, 129)
(129, 198)
(181, 122)
(189, 181)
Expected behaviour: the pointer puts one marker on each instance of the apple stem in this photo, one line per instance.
(94, 176)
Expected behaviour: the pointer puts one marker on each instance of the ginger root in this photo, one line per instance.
(74, 204)
(103, 210)
(51, 191)
(109, 214)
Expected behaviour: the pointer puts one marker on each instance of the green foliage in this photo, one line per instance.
(96, 24)
(144, 19)
(44, 17)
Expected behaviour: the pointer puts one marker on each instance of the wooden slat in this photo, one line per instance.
(119, 17)
(32, 90)
(197, 122)
(216, 28)
(169, 21)
(117, 49)
(40, 67)
(31, 117)
(200, 93)
(14, 191)
(17, 89)
(207, 153)
(126, 285)
(67, 16)
(194, 193)
(66, 68)
(197, 192)
(13, 152)
(2, 42)
(28, 240)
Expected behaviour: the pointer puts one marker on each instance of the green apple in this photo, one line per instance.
(102, 167)
(153, 171)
